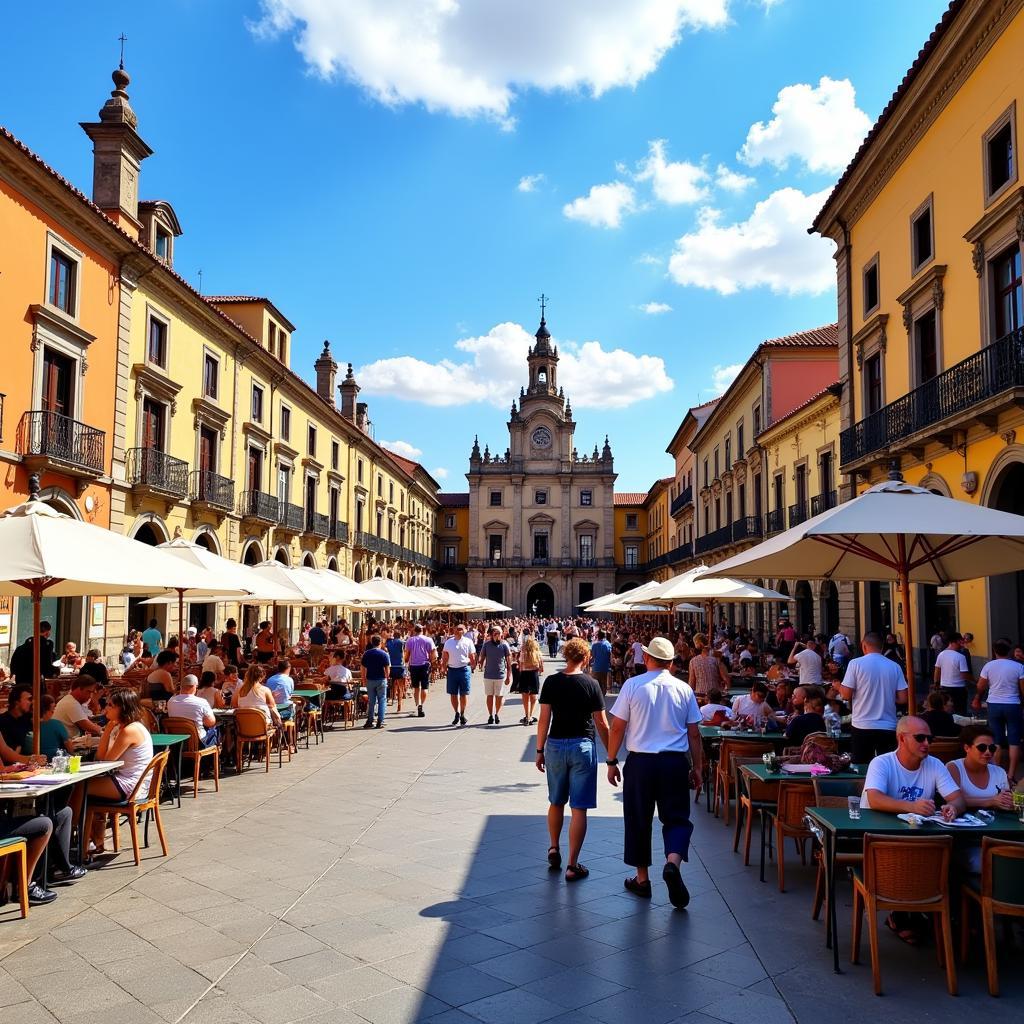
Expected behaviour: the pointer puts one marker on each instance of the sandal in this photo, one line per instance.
(907, 935)
(554, 858)
(638, 888)
(577, 871)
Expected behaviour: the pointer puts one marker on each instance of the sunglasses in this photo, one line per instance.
(922, 737)
(990, 747)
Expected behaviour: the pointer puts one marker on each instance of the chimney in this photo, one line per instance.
(349, 392)
(326, 372)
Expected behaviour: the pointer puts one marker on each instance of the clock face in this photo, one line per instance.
(542, 437)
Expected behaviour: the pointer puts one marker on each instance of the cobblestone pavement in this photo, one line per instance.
(399, 875)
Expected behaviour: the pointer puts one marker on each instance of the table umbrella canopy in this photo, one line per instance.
(225, 576)
(396, 594)
(695, 585)
(634, 594)
(305, 588)
(344, 591)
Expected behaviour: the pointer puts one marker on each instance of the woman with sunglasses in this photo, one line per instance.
(982, 783)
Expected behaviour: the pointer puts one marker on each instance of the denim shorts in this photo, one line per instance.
(1005, 722)
(571, 769)
(458, 681)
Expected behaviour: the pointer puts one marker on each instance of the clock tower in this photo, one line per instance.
(541, 515)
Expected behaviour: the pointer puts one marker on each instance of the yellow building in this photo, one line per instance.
(452, 544)
(630, 518)
(929, 222)
(681, 507)
(659, 529)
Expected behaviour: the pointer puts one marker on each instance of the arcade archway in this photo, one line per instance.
(540, 600)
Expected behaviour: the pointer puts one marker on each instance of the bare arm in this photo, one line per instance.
(89, 726)
(846, 692)
(616, 734)
(601, 725)
(696, 755)
(901, 696)
(543, 724)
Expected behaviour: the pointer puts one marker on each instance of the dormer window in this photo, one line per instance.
(162, 246)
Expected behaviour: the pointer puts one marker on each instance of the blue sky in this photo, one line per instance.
(362, 162)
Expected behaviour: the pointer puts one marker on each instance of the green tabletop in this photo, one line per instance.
(838, 821)
(308, 694)
(716, 732)
(762, 774)
(167, 739)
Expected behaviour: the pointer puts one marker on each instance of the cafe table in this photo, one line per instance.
(45, 784)
(167, 741)
(762, 773)
(316, 696)
(834, 824)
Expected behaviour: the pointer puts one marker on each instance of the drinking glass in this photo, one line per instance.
(853, 805)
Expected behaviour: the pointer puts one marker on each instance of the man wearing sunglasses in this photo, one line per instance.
(907, 779)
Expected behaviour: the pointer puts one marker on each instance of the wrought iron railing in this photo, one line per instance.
(774, 521)
(746, 528)
(823, 502)
(715, 539)
(212, 488)
(289, 516)
(257, 505)
(797, 513)
(55, 436)
(992, 370)
(317, 524)
(151, 467)
(337, 530)
(681, 500)
(540, 560)
(680, 553)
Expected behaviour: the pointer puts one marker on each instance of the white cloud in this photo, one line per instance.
(672, 182)
(603, 206)
(654, 308)
(822, 127)
(402, 448)
(440, 473)
(723, 376)
(493, 368)
(529, 182)
(770, 248)
(473, 58)
(649, 260)
(730, 180)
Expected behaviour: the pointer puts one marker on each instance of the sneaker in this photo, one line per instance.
(462, 719)
(524, 720)
(497, 720)
(380, 725)
(419, 712)
(67, 877)
(455, 720)
(38, 896)
(490, 719)
(368, 724)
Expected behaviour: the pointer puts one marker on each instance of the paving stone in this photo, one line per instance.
(516, 1006)
(405, 1005)
(745, 1007)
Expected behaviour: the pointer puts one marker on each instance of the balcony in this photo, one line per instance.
(680, 501)
(48, 440)
(541, 560)
(746, 528)
(975, 390)
(337, 531)
(797, 514)
(258, 507)
(774, 522)
(290, 518)
(823, 502)
(317, 525)
(210, 489)
(153, 472)
(682, 553)
(716, 539)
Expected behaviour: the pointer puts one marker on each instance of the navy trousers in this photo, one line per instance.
(659, 780)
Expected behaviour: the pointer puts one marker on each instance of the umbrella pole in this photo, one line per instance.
(37, 689)
(908, 625)
(181, 635)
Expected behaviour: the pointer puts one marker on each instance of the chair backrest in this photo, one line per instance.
(946, 750)
(838, 802)
(907, 870)
(742, 748)
(838, 788)
(1002, 872)
(300, 704)
(149, 717)
(149, 780)
(756, 789)
(250, 724)
(793, 800)
(183, 727)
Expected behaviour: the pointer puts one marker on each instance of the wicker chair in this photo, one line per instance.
(833, 793)
(144, 799)
(725, 774)
(754, 796)
(788, 823)
(16, 846)
(252, 727)
(1001, 891)
(194, 750)
(904, 875)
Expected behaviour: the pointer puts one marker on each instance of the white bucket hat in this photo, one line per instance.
(660, 649)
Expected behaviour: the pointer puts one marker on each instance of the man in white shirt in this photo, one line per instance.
(339, 677)
(1003, 679)
(807, 660)
(952, 673)
(753, 707)
(656, 718)
(213, 662)
(639, 666)
(73, 709)
(876, 686)
(187, 704)
(458, 659)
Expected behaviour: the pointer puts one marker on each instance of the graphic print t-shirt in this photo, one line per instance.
(886, 775)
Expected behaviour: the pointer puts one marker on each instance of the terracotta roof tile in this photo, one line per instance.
(629, 498)
(824, 336)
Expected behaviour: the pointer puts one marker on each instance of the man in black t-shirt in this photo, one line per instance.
(571, 709)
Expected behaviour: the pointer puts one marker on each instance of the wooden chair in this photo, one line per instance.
(144, 799)
(904, 875)
(333, 706)
(194, 750)
(252, 727)
(1000, 891)
(833, 793)
(16, 846)
(754, 796)
(307, 719)
(149, 719)
(945, 749)
(788, 823)
(725, 774)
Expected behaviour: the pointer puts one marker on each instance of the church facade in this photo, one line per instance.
(540, 528)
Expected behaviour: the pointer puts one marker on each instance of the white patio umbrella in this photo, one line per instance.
(396, 594)
(634, 595)
(345, 591)
(43, 551)
(918, 536)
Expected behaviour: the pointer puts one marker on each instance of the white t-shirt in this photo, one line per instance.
(708, 711)
(190, 706)
(638, 653)
(69, 711)
(744, 706)
(808, 665)
(887, 775)
(657, 709)
(339, 674)
(211, 663)
(745, 655)
(997, 781)
(875, 681)
(1003, 676)
(950, 664)
(459, 651)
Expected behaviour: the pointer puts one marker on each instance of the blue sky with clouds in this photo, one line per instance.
(404, 177)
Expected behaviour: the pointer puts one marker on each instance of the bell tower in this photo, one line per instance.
(542, 359)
